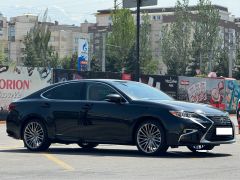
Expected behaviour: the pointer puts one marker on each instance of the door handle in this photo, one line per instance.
(45, 105)
(87, 106)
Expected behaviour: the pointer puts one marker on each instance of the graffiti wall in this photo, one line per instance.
(232, 94)
(202, 90)
(17, 82)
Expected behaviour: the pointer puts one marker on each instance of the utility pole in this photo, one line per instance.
(138, 41)
(230, 61)
(104, 53)
(115, 5)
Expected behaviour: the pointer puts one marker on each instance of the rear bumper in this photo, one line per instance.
(13, 129)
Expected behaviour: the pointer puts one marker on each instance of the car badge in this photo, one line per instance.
(222, 120)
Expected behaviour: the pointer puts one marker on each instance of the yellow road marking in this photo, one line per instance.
(59, 162)
(10, 147)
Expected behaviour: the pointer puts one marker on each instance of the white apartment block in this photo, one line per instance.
(159, 17)
(64, 38)
(3, 35)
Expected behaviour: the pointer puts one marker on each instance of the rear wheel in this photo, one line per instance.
(88, 145)
(196, 148)
(150, 138)
(35, 136)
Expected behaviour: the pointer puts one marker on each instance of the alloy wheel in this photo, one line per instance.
(149, 138)
(33, 135)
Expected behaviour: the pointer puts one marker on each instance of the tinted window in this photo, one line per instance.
(98, 91)
(72, 91)
(137, 91)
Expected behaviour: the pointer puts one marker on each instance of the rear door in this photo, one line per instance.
(64, 103)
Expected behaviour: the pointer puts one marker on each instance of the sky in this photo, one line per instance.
(77, 11)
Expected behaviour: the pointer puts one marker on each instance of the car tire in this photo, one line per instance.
(88, 145)
(197, 148)
(150, 138)
(35, 136)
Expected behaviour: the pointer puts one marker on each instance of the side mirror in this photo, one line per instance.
(114, 98)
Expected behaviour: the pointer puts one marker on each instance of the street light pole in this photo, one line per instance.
(138, 41)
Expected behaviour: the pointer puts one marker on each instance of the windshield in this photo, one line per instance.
(140, 91)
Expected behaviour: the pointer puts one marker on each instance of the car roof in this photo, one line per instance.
(99, 80)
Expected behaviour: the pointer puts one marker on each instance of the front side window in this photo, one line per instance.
(71, 91)
(98, 91)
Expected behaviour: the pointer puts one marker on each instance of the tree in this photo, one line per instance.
(147, 64)
(236, 73)
(3, 58)
(70, 62)
(176, 40)
(206, 35)
(121, 39)
(95, 64)
(221, 64)
(37, 51)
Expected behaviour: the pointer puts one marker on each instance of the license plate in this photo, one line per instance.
(224, 131)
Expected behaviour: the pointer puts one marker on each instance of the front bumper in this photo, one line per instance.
(209, 135)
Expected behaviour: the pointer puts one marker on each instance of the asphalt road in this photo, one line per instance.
(115, 162)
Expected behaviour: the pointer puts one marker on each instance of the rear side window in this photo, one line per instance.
(71, 91)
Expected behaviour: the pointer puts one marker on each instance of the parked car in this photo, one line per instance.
(92, 112)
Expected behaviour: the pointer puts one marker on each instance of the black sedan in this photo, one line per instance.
(92, 112)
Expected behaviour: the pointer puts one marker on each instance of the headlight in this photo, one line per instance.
(194, 117)
(184, 114)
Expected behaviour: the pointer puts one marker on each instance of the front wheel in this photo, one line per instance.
(88, 145)
(35, 136)
(150, 138)
(196, 148)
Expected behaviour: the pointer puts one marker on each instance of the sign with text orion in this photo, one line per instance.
(133, 3)
(82, 55)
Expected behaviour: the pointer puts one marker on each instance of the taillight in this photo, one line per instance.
(11, 107)
(238, 105)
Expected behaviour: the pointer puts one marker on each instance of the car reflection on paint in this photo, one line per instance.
(92, 112)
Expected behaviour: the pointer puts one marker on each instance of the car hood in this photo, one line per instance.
(190, 107)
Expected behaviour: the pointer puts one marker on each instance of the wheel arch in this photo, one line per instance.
(29, 118)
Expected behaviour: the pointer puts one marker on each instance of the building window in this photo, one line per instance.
(76, 40)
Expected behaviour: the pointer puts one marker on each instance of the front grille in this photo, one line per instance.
(221, 120)
(211, 135)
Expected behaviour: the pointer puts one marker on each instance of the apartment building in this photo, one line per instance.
(64, 38)
(18, 27)
(159, 17)
(3, 35)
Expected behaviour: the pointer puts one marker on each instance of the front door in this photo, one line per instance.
(106, 121)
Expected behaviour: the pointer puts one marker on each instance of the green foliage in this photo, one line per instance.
(37, 51)
(121, 39)
(121, 49)
(221, 64)
(175, 42)
(3, 57)
(95, 64)
(183, 54)
(70, 62)
(206, 35)
(236, 72)
(147, 64)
